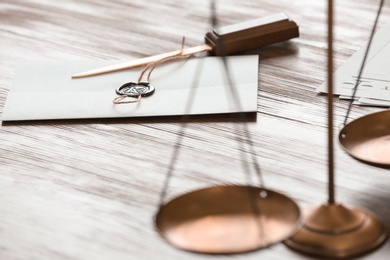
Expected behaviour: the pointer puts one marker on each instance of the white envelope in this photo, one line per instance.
(45, 90)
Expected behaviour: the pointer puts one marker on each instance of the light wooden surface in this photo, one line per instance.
(89, 189)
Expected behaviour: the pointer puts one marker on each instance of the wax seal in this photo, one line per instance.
(133, 89)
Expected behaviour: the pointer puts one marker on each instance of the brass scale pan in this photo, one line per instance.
(368, 138)
(223, 219)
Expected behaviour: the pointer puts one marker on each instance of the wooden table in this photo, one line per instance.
(89, 189)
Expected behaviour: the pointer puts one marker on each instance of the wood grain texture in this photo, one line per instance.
(89, 189)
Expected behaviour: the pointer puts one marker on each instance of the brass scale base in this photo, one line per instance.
(332, 230)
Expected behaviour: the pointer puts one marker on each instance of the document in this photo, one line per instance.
(374, 86)
(45, 90)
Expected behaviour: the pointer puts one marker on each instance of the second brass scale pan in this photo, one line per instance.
(368, 138)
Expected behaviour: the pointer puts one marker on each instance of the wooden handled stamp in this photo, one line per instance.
(227, 40)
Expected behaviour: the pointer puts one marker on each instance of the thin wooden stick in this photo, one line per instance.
(143, 61)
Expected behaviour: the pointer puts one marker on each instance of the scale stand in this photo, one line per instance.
(333, 230)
